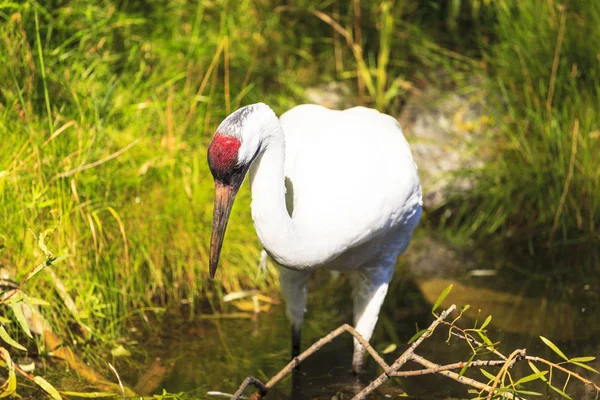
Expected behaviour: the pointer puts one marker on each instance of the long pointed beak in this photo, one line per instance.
(224, 196)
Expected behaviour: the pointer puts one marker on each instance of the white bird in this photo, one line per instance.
(337, 190)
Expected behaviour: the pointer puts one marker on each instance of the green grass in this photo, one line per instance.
(106, 148)
(106, 110)
(541, 182)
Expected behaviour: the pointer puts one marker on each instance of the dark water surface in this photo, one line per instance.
(556, 296)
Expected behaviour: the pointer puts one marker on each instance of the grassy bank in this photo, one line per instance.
(541, 181)
(106, 109)
(107, 113)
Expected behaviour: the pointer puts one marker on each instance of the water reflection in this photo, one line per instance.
(557, 297)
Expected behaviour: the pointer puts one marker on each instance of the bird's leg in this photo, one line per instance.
(370, 287)
(294, 291)
(358, 358)
(296, 334)
(297, 384)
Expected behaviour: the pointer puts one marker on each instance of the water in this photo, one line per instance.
(556, 296)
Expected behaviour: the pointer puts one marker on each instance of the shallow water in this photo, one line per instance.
(556, 296)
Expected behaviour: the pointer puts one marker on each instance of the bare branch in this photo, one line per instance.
(457, 377)
(514, 356)
(305, 354)
(262, 389)
(563, 369)
(466, 336)
(430, 368)
(448, 367)
(407, 355)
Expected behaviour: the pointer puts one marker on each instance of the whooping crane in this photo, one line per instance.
(337, 190)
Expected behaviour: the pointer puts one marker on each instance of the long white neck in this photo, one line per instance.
(287, 242)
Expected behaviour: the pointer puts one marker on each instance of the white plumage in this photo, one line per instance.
(337, 190)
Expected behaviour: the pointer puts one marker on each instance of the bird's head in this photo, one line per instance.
(239, 139)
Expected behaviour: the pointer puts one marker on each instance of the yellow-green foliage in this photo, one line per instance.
(106, 144)
(542, 175)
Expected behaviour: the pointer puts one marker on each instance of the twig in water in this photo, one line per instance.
(457, 377)
(262, 389)
(327, 339)
(440, 368)
(505, 363)
(304, 355)
(406, 356)
(471, 339)
(514, 356)
(565, 370)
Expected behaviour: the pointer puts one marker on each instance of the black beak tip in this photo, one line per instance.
(213, 271)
